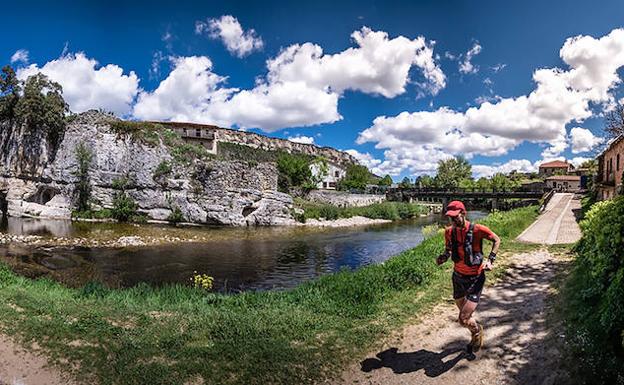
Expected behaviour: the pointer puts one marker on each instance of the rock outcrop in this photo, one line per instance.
(215, 192)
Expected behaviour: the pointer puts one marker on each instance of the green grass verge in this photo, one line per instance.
(384, 210)
(174, 334)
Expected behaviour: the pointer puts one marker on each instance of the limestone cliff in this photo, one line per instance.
(207, 191)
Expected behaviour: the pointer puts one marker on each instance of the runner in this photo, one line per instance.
(464, 244)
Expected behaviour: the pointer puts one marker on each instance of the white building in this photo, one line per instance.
(569, 183)
(330, 180)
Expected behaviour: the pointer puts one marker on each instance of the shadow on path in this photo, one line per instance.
(432, 363)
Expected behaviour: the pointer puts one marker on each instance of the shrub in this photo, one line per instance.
(176, 216)
(163, 168)
(596, 311)
(294, 171)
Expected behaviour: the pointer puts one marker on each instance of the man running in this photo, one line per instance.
(464, 244)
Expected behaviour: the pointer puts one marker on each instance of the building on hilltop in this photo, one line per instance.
(209, 136)
(555, 167)
(566, 183)
(610, 169)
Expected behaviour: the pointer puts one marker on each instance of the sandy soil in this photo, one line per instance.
(21, 367)
(519, 347)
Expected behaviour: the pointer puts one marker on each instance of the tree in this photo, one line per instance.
(405, 183)
(452, 171)
(467, 183)
(591, 165)
(483, 183)
(357, 177)
(385, 181)
(322, 170)
(615, 121)
(501, 181)
(84, 157)
(42, 108)
(9, 93)
(294, 171)
(424, 181)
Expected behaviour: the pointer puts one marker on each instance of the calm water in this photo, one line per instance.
(238, 259)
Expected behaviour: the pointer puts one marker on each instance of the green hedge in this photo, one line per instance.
(384, 210)
(596, 309)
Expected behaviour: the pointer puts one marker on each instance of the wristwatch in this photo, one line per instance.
(492, 257)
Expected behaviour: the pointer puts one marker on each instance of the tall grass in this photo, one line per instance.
(170, 335)
(384, 210)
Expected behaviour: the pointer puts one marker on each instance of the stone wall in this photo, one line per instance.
(344, 199)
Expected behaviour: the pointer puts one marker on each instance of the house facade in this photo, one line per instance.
(565, 183)
(555, 167)
(610, 169)
(203, 135)
(330, 180)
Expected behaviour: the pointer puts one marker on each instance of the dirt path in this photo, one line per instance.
(518, 349)
(21, 367)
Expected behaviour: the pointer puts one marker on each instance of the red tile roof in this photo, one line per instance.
(555, 163)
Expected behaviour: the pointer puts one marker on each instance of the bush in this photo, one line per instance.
(163, 168)
(294, 171)
(176, 216)
(124, 207)
(596, 310)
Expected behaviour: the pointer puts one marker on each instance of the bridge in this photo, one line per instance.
(446, 195)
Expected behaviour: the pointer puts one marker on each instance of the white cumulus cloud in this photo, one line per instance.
(87, 85)
(583, 140)
(560, 97)
(302, 87)
(227, 28)
(519, 165)
(20, 56)
(302, 139)
(466, 66)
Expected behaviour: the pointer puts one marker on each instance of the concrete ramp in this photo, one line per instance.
(557, 224)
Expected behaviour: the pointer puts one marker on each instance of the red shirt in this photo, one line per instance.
(479, 233)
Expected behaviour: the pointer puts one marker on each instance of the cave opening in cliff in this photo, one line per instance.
(248, 210)
(43, 195)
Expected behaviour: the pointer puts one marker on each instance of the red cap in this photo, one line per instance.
(454, 208)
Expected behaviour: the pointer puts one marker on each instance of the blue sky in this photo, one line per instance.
(170, 60)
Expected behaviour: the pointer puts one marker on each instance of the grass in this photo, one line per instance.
(384, 210)
(174, 334)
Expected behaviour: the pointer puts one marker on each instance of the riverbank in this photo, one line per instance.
(179, 334)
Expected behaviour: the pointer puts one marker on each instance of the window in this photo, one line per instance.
(337, 173)
(617, 162)
(198, 132)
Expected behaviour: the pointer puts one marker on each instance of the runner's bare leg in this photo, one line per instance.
(465, 315)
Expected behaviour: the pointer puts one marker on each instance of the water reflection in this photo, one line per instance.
(238, 259)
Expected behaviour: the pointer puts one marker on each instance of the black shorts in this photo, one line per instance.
(468, 286)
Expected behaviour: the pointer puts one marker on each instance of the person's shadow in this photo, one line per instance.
(432, 363)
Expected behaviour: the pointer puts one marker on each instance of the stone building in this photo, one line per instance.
(201, 134)
(567, 183)
(610, 168)
(330, 180)
(555, 167)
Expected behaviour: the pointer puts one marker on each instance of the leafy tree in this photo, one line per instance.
(84, 157)
(424, 181)
(294, 171)
(9, 93)
(467, 183)
(501, 181)
(42, 108)
(452, 171)
(385, 181)
(483, 183)
(322, 168)
(591, 165)
(406, 183)
(357, 177)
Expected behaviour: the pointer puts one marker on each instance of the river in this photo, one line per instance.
(259, 258)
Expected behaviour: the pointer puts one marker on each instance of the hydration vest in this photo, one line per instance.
(470, 258)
